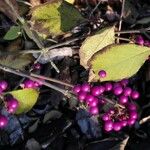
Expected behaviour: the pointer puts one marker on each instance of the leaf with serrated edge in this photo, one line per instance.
(26, 98)
(55, 18)
(119, 61)
(94, 43)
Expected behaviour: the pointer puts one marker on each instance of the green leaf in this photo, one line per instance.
(119, 61)
(26, 98)
(17, 61)
(94, 43)
(55, 18)
(13, 33)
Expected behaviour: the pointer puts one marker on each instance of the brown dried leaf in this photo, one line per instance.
(4, 8)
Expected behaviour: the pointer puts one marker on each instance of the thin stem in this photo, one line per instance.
(124, 39)
(25, 75)
(120, 22)
(51, 79)
(133, 31)
(113, 102)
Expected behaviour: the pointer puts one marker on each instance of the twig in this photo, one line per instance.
(94, 9)
(51, 79)
(120, 22)
(27, 75)
(124, 39)
(133, 31)
(144, 120)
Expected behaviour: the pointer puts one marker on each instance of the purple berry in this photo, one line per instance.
(82, 96)
(140, 40)
(127, 91)
(105, 117)
(108, 86)
(85, 87)
(124, 82)
(147, 43)
(37, 66)
(76, 89)
(94, 102)
(108, 125)
(3, 85)
(94, 110)
(118, 90)
(12, 105)
(123, 123)
(102, 73)
(29, 84)
(132, 107)
(3, 121)
(135, 95)
(131, 121)
(117, 126)
(89, 98)
(96, 91)
(133, 115)
(116, 84)
(102, 89)
(123, 99)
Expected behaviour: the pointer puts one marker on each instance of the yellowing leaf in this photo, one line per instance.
(27, 99)
(94, 43)
(55, 18)
(70, 1)
(119, 61)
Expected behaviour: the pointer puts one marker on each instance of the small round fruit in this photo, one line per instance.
(89, 98)
(139, 40)
(37, 66)
(116, 84)
(105, 117)
(117, 126)
(76, 89)
(102, 89)
(96, 91)
(133, 115)
(132, 107)
(123, 99)
(108, 86)
(127, 91)
(123, 123)
(82, 96)
(124, 82)
(85, 87)
(102, 73)
(3, 121)
(94, 102)
(131, 121)
(29, 84)
(3, 85)
(12, 105)
(135, 95)
(108, 125)
(118, 90)
(93, 110)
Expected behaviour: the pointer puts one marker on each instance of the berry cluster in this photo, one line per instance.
(11, 104)
(140, 41)
(94, 97)
(31, 84)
